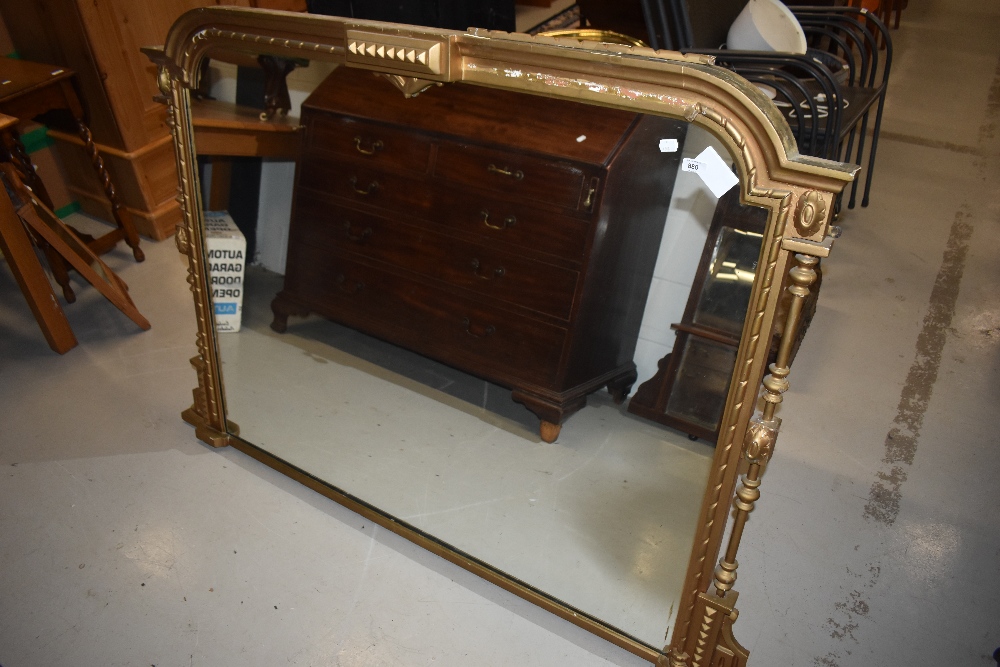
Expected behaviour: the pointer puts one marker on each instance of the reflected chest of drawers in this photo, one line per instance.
(510, 236)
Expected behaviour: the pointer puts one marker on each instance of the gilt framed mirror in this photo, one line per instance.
(435, 354)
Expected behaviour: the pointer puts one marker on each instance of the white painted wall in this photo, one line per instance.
(691, 208)
(692, 205)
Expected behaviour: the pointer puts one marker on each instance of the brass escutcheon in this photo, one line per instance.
(344, 287)
(366, 232)
(489, 330)
(496, 273)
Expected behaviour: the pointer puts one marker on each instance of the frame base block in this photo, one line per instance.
(712, 642)
(207, 433)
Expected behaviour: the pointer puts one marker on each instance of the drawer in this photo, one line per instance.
(381, 145)
(365, 185)
(515, 175)
(494, 217)
(495, 274)
(478, 339)
(519, 223)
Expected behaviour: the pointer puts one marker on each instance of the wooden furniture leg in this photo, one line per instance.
(63, 240)
(30, 276)
(59, 268)
(121, 214)
(549, 431)
(47, 94)
(222, 179)
(17, 155)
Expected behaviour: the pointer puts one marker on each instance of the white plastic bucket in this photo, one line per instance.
(766, 25)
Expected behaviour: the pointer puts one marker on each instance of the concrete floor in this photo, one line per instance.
(124, 541)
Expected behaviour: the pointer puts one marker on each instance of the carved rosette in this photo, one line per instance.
(810, 214)
(163, 82)
(758, 445)
(181, 240)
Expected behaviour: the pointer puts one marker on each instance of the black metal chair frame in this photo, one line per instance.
(850, 34)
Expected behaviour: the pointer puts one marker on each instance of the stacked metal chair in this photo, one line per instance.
(827, 94)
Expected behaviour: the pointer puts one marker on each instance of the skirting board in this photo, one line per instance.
(157, 225)
(145, 180)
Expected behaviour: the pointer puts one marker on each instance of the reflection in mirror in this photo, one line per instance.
(726, 292)
(702, 382)
(707, 347)
(690, 388)
(391, 211)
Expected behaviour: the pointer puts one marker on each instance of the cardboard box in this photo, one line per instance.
(227, 248)
(38, 144)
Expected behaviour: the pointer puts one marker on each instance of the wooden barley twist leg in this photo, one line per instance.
(121, 214)
(17, 155)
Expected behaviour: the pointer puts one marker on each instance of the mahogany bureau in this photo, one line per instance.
(510, 236)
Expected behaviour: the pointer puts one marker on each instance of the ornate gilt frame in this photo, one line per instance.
(796, 189)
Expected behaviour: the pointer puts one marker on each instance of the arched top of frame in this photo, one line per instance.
(639, 79)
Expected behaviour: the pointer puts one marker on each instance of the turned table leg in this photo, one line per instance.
(121, 214)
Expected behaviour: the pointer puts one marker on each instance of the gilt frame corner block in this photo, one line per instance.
(799, 192)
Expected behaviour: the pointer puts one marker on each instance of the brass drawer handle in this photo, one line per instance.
(496, 273)
(376, 146)
(489, 330)
(493, 169)
(372, 187)
(588, 202)
(357, 238)
(509, 221)
(343, 286)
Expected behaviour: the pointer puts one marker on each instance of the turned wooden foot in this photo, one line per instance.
(549, 431)
(619, 394)
(280, 323)
(622, 387)
(60, 271)
(553, 409)
(282, 307)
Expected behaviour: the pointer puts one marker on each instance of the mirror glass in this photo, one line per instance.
(726, 293)
(603, 518)
(702, 382)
